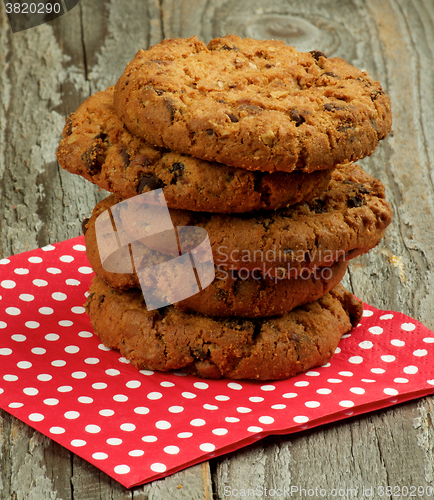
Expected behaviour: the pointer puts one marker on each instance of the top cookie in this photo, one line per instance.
(259, 105)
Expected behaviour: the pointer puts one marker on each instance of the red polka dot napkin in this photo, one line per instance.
(138, 426)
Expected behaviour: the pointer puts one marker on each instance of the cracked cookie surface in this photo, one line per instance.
(263, 349)
(97, 146)
(259, 105)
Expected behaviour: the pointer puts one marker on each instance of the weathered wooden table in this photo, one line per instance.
(47, 71)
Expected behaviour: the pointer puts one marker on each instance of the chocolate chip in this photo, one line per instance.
(333, 75)
(68, 124)
(269, 65)
(94, 158)
(332, 106)
(83, 226)
(232, 117)
(125, 157)
(363, 189)
(222, 101)
(375, 94)
(171, 108)
(177, 169)
(101, 299)
(296, 117)
(210, 131)
(319, 206)
(101, 136)
(149, 182)
(316, 54)
(227, 47)
(355, 201)
(159, 91)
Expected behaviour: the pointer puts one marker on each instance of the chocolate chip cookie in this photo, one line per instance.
(259, 105)
(97, 146)
(263, 349)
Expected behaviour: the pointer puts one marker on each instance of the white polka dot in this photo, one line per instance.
(386, 316)
(92, 429)
(78, 375)
(346, 403)
(388, 358)
(158, 467)
(428, 340)
(397, 342)
(15, 405)
(66, 258)
(72, 282)
(40, 282)
(13, 311)
(85, 335)
(366, 344)
(133, 384)
(367, 313)
(71, 415)
(302, 383)
(114, 441)
(221, 397)
(356, 360)
(32, 324)
(232, 420)
(324, 391)
(312, 404)
(430, 382)
(256, 399)
(400, 380)
(268, 388)
(290, 395)
(176, 409)
(77, 443)
(171, 450)
(85, 400)
(167, 384)
(235, 386)
(30, 391)
(188, 395)
(346, 374)
(21, 271)
(3, 324)
(378, 370)
(65, 323)
(185, 435)
(243, 409)
(18, 337)
(106, 412)
(5, 351)
(46, 310)
(346, 336)
(337, 351)
(357, 390)
(120, 398)
(112, 372)
(57, 430)
(39, 351)
(123, 360)
(10, 378)
(197, 422)
(390, 392)
(368, 380)
(154, 395)
(51, 401)
(207, 447)
(201, 385)
(136, 453)
(254, 428)
(221, 431)
(375, 330)
(142, 410)
(36, 417)
(146, 372)
(47, 248)
(210, 407)
(85, 270)
(58, 363)
(149, 439)
(79, 248)
(420, 352)
(127, 427)
(91, 361)
(98, 385)
(266, 420)
(334, 380)
(8, 284)
(64, 388)
(278, 407)
(301, 419)
(26, 297)
(408, 327)
(78, 310)
(312, 373)
(4, 261)
(99, 455)
(53, 270)
(35, 260)
(410, 370)
(163, 425)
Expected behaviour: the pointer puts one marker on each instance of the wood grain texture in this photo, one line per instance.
(46, 72)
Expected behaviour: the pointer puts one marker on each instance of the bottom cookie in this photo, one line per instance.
(263, 349)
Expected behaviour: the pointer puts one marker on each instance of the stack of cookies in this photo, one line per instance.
(254, 143)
